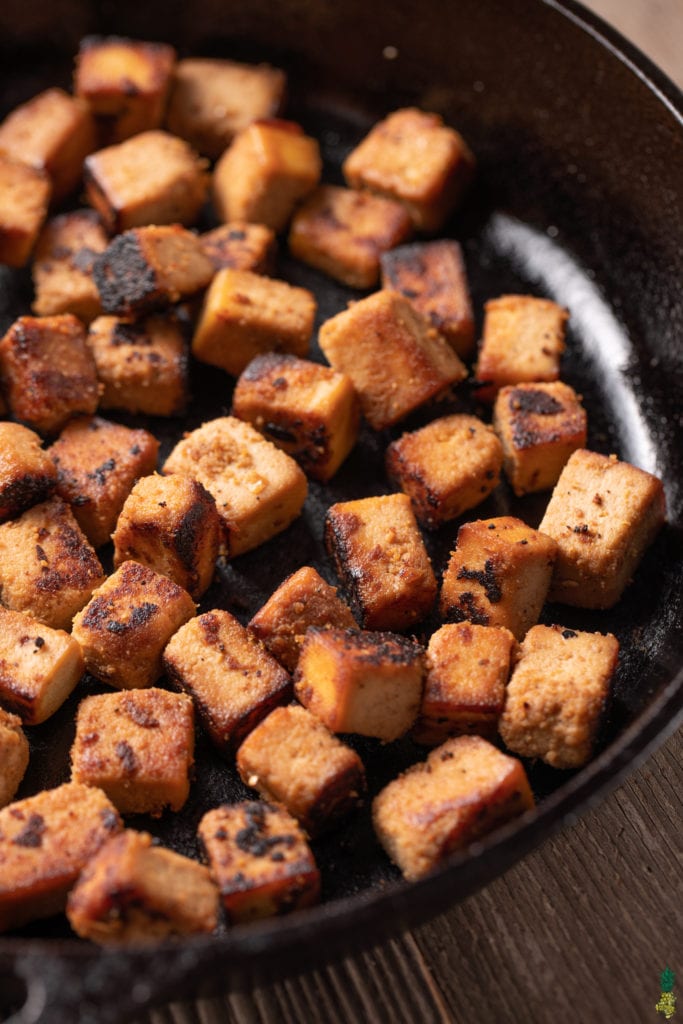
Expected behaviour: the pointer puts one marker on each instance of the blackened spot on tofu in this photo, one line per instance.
(597, 499)
(537, 402)
(277, 855)
(237, 235)
(142, 614)
(568, 634)
(128, 334)
(260, 367)
(238, 883)
(126, 755)
(220, 834)
(140, 715)
(125, 280)
(583, 530)
(79, 500)
(83, 259)
(492, 526)
(280, 383)
(446, 756)
(100, 474)
(39, 642)
(251, 839)
(135, 450)
(467, 611)
(27, 490)
(487, 578)
(279, 432)
(188, 534)
(31, 834)
(40, 552)
(109, 819)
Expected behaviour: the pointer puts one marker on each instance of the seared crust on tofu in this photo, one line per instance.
(464, 789)
(62, 268)
(24, 198)
(27, 474)
(241, 246)
(14, 755)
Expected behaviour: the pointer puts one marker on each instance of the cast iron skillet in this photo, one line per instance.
(579, 197)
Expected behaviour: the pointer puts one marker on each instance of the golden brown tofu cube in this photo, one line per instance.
(14, 754)
(227, 671)
(260, 860)
(344, 233)
(45, 842)
(365, 683)
(135, 892)
(97, 464)
(498, 575)
(124, 628)
(394, 358)
(258, 489)
(555, 698)
(447, 467)
(62, 269)
(241, 246)
(212, 100)
(603, 514)
(136, 746)
(464, 790)
(304, 599)
(27, 474)
(308, 410)
(47, 371)
(381, 559)
(24, 198)
(413, 157)
(47, 566)
(523, 341)
(467, 669)
(292, 759)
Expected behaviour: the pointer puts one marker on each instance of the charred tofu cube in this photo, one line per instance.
(135, 892)
(47, 567)
(304, 599)
(136, 746)
(557, 694)
(258, 489)
(125, 627)
(413, 157)
(24, 198)
(14, 754)
(498, 575)
(447, 467)
(27, 473)
(603, 514)
(260, 860)
(97, 464)
(292, 759)
(62, 269)
(241, 246)
(344, 233)
(464, 790)
(47, 371)
(308, 410)
(365, 683)
(381, 559)
(45, 842)
(232, 679)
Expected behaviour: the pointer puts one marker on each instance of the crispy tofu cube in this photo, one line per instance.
(241, 246)
(47, 371)
(14, 754)
(258, 489)
(212, 100)
(124, 628)
(498, 575)
(447, 467)
(523, 341)
(308, 410)
(394, 358)
(464, 790)
(292, 759)
(24, 197)
(365, 683)
(227, 671)
(467, 669)
(136, 746)
(47, 566)
(62, 269)
(344, 233)
(381, 559)
(134, 891)
(304, 599)
(45, 841)
(260, 860)
(413, 157)
(603, 514)
(97, 464)
(27, 473)
(557, 694)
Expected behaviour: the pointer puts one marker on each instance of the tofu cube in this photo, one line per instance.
(14, 754)
(227, 671)
(241, 246)
(467, 669)
(97, 464)
(124, 628)
(381, 559)
(557, 694)
(45, 842)
(344, 233)
(498, 575)
(304, 599)
(308, 410)
(465, 789)
(603, 515)
(135, 892)
(357, 682)
(258, 489)
(47, 566)
(24, 197)
(260, 860)
(27, 473)
(447, 467)
(47, 371)
(136, 746)
(292, 759)
(63, 264)
(413, 157)
(433, 276)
